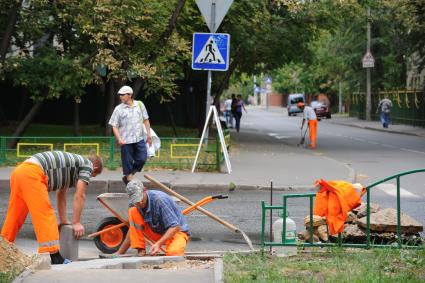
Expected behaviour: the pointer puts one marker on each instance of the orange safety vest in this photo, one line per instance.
(334, 200)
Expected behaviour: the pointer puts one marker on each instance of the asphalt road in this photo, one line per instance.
(372, 155)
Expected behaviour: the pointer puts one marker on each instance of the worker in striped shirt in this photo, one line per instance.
(30, 183)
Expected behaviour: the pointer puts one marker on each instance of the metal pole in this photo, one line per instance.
(255, 91)
(368, 87)
(209, 83)
(340, 97)
(271, 214)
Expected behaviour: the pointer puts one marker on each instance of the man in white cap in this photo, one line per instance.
(157, 217)
(127, 125)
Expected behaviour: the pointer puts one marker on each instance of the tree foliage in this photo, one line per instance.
(397, 39)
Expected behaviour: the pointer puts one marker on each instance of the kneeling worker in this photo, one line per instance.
(310, 116)
(156, 215)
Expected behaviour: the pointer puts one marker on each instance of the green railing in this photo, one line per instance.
(408, 106)
(175, 153)
(311, 196)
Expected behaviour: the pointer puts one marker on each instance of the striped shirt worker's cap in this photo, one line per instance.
(135, 191)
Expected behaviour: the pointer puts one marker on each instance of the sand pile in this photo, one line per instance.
(11, 259)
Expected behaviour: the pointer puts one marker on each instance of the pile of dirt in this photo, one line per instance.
(11, 259)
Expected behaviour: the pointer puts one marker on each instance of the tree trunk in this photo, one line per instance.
(10, 27)
(173, 124)
(22, 108)
(137, 86)
(23, 125)
(171, 23)
(110, 104)
(77, 129)
(3, 118)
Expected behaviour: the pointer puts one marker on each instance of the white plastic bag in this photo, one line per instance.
(156, 142)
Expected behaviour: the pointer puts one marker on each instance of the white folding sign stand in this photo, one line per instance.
(220, 133)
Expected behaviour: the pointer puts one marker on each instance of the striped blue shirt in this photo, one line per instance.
(63, 169)
(163, 213)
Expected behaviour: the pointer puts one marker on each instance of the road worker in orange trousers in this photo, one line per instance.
(30, 184)
(156, 217)
(310, 116)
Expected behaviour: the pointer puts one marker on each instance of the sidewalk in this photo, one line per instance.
(376, 125)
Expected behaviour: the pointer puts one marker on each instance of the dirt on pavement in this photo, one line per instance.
(12, 259)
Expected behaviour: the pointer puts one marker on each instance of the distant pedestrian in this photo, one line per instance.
(228, 112)
(127, 122)
(310, 116)
(234, 101)
(384, 107)
(238, 111)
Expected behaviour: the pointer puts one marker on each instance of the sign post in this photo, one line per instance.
(213, 12)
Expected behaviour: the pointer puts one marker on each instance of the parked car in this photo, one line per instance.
(293, 99)
(322, 110)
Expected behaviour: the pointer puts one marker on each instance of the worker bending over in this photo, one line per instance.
(310, 116)
(30, 184)
(157, 217)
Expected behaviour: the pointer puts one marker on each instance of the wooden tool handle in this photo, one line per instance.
(187, 201)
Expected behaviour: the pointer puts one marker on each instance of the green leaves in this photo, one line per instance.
(47, 74)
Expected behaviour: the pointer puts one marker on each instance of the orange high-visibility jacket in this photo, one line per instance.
(334, 200)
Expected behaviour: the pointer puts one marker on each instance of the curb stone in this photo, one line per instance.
(42, 262)
(218, 271)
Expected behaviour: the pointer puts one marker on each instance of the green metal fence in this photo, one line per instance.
(175, 153)
(311, 196)
(408, 106)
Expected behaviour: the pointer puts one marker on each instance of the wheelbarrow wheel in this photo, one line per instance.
(109, 242)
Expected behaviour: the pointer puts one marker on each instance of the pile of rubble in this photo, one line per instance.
(11, 259)
(383, 227)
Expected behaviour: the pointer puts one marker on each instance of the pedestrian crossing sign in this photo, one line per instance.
(210, 51)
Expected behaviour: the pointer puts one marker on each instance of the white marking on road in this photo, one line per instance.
(283, 137)
(272, 134)
(391, 190)
(411, 150)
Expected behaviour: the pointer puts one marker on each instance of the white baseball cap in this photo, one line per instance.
(125, 89)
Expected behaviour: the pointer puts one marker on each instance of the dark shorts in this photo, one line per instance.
(133, 157)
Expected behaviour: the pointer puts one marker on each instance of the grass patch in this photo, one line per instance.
(6, 277)
(329, 265)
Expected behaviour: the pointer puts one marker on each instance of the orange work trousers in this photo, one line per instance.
(29, 193)
(138, 229)
(312, 124)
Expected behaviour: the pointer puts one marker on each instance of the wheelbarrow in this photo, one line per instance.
(111, 231)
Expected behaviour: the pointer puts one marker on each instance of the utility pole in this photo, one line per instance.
(255, 90)
(368, 87)
(340, 97)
